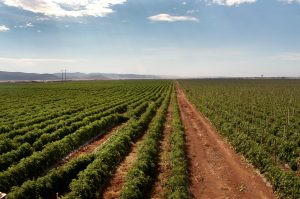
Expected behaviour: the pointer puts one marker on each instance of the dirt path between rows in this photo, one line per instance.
(164, 160)
(91, 146)
(216, 171)
(113, 189)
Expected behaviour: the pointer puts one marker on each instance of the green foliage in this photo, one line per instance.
(8, 158)
(141, 175)
(261, 119)
(55, 181)
(42, 123)
(93, 178)
(178, 181)
(53, 152)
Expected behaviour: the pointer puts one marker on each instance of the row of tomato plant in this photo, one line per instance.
(178, 180)
(61, 118)
(35, 100)
(13, 156)
(49, 113)
(40, 161)
(64, 106)
(142, 174)
(109, 156)
(58, 179)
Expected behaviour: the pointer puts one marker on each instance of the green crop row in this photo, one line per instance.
(58, 108)
(38, 162)
(21, 135)
(15, 155)
(142, 174)
(92, 180)
(58, 179)
(41, 123)
(178, 181)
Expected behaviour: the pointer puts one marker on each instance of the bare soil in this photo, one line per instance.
(91, 146)
(164, 163)
(216, 170)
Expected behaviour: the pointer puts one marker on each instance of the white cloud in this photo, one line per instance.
(66, 8)
(4, 28)
(27, 25)
(170, 18)
(231, 2)
(34, 61)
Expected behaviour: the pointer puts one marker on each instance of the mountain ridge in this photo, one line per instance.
(22, 76)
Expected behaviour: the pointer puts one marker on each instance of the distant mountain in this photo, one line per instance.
(72, 75)
(126, 76)
(84, 76)
(19, 76)
(105, 76)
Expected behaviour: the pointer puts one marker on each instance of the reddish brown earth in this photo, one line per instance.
(113, 190)
(91, 146)
(164, 163)
(216, 170)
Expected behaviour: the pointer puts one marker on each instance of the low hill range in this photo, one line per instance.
(20, 76)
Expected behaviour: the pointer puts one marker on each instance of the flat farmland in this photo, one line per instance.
(150, 139)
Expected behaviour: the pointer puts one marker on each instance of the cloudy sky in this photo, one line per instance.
(163, 37)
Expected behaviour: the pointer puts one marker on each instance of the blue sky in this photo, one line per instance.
(176, 37)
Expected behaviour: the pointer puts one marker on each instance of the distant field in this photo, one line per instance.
(143, 138)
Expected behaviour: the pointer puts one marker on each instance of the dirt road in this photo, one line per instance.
(216, 171)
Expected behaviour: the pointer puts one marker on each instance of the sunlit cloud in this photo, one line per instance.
(169, 18)
(66, 8)
(4, 28)
(230, 2)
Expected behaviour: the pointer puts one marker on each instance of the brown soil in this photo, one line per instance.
(216, 171)
(113, 189)
(164, 163)
(91, 146)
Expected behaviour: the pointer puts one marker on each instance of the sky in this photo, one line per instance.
(196, 38)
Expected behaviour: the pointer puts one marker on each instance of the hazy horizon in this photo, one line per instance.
(198, 38)
(166, 76)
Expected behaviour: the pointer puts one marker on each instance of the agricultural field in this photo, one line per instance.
(66, 140)
(150, 139)
(261, 119)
